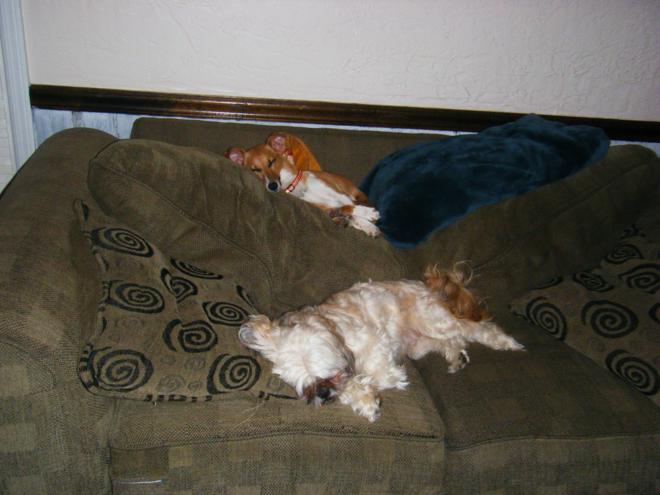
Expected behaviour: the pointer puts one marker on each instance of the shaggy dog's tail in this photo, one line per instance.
(451, 290)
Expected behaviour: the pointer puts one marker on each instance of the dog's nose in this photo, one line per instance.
(323, 393)
(245, 335)
(273, 186)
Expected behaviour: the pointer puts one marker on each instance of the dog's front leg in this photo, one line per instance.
(360, 393)
(340, 216)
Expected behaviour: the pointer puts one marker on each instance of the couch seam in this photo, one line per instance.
(431, 439)
(572, 438)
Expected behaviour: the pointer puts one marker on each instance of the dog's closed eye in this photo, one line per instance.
(270, 162)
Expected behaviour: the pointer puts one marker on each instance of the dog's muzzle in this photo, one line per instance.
(246, 335)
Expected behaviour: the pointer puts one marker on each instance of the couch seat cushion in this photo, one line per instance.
(193, 203)
(277, 446)
(575, 427)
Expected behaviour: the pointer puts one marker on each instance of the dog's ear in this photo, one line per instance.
(278, 141)
(236, 155)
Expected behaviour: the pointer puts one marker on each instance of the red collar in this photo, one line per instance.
(294, 183)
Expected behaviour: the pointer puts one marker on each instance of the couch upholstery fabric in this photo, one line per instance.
(54, 438)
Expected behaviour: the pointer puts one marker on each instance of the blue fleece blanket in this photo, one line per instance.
(423, 188)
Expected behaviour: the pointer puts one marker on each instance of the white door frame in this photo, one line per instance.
(16, 80)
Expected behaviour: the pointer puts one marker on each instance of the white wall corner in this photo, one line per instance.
(16, 80)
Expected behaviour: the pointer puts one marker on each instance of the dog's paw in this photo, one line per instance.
(371, 412)
(516, 346)
(339, 218)
(369, 409)
(365, 226)
(461, 362)
(369, 213)
(361, 395)
(508, 343)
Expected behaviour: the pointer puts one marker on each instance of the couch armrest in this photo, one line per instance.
(52, 432)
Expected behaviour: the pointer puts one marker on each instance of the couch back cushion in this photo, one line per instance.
(348, 152)
(201, 207)
(558, 228)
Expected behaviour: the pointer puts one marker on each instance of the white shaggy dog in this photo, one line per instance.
(351, 346)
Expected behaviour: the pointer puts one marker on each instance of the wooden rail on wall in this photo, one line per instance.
(306, 112)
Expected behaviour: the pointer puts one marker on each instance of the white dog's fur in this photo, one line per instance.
(351, 346)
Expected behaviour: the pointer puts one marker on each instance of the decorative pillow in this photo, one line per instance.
(635, 261)
(166, 330)
(191, 201)
(609, 314)
(425, 187)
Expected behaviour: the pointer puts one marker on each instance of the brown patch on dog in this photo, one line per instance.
(454, 295)
(323, 390)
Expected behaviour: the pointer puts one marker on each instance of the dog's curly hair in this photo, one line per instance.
(451, 289)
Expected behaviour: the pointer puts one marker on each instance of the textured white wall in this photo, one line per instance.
(597, 58)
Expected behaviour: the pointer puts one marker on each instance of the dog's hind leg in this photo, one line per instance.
(453, 350)
(491, 335)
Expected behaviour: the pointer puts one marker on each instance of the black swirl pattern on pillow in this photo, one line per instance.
(637, 372)
(547, 316)
(193, 271)
(232, 373)
(225, 313)
(549, 283)
(84, 209)
(609, 319)
(115, 370)
(623, 252)
(195, 336)
(654, 313)
(644, 277)
(180, 287)
(632, 231)
(122, 240)
(242, 293)
(133, 297)
(592, 281)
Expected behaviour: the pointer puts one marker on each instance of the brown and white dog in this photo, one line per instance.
(288, 144)
(333, 193)
(351, 346)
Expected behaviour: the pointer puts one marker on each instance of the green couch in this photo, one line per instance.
(549, 420)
